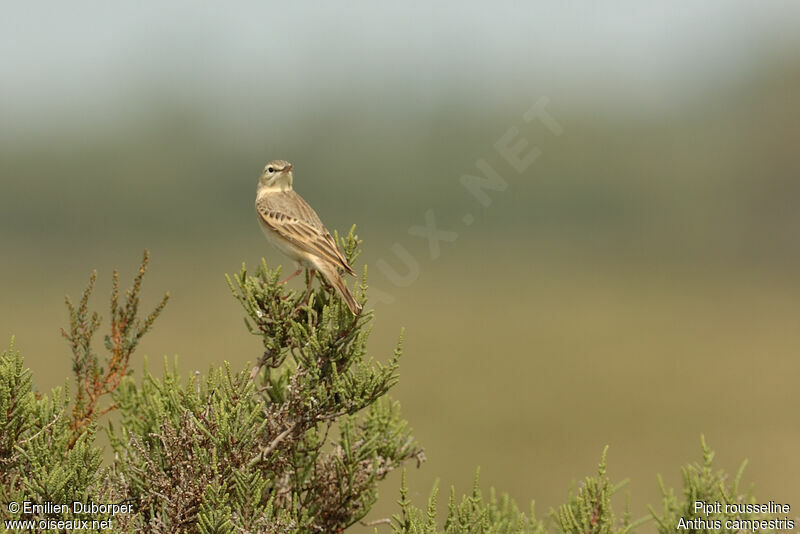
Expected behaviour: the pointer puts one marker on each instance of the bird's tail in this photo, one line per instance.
(331, 274)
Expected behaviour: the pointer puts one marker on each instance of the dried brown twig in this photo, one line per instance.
(127, 329)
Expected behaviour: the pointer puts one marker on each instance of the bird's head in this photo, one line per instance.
(277, 175)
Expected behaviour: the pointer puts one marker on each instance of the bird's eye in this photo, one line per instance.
(270, 169)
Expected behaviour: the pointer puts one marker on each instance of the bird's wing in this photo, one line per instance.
(288, 215)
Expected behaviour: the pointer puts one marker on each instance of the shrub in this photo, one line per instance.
(296, 443)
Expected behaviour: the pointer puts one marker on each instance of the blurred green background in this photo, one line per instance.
(636, 286)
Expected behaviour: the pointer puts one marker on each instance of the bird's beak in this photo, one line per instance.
(287, 168)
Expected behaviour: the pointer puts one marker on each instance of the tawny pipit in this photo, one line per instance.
(295, 229)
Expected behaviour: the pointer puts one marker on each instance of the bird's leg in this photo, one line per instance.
(310, 280)
(308, 286)
(298, 271)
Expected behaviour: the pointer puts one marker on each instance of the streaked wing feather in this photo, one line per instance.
(302, 228)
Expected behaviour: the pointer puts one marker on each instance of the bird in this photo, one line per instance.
(294, 228)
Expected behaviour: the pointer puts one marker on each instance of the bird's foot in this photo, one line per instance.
(298, 271)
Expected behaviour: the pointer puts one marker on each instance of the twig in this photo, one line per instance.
(273, 445)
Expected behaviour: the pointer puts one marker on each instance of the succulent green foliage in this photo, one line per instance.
(17, 403)
(589, 509)
(38, 461)
(296, 444)
(472, 514)
(176, 440)
(330, 433)
(702, 483)
(304, 324)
